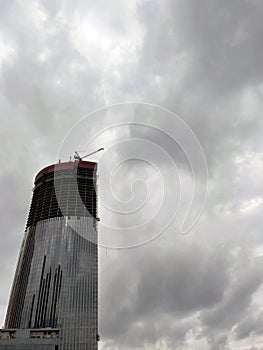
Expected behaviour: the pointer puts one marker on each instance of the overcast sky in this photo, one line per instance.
(202, 60)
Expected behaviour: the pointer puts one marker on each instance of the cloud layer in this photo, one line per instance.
(203, 61)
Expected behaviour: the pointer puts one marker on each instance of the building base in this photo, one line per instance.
(30, 339)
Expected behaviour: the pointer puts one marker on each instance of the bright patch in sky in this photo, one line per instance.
(251, 204)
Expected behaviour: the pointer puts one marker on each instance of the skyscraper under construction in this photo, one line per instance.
(54, 299)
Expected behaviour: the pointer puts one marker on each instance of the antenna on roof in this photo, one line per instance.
(78, 157)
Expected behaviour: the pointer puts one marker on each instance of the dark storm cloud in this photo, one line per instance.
(167, 290)
(219, 40)
(236, 300)
(250, 325)
(183, 48)
(213, 44)
(202, 60)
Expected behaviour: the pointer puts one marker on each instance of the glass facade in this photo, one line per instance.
(56, 281)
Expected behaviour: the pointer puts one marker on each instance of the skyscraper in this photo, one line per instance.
(54, 299)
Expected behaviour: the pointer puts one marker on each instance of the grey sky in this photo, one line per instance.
(60, 61)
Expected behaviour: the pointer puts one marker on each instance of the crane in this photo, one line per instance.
(78, 157)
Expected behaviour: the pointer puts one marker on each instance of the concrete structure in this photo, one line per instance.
(25, 339)
(54, 299)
